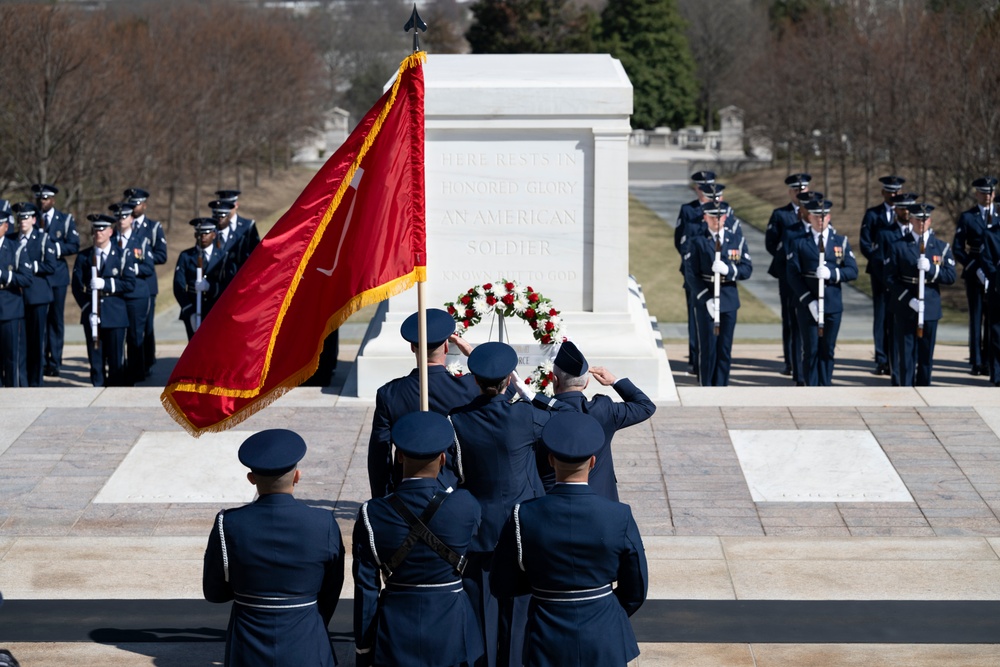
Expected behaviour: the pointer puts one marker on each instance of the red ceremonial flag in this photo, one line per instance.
(355, 236)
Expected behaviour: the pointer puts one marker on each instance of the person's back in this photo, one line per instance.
(566, 549)
(280, 561)
(422, 618)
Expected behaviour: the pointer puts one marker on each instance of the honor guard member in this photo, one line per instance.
(715, 345)
(60, 227)
(571, 377)
(416, 538)
(987, 274)
(402, 396)
(12, 281)
(496, 444)
(36, 257)
(806, 267)
(156, 246)
(919, 251)
(226, 239)
(781, 220)
(116, 277)
(245, 228)
(901, 202)
(279, 560)
(968, 243)
(791, 234)
(136, 244)
(877, 219)
(690, 213)
(215, 266)
(566, 549)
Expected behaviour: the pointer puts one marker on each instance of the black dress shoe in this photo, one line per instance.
(979, 370)
(787, 370)
(881, 369)
(51, 372)
(691, 370)
(800, 384)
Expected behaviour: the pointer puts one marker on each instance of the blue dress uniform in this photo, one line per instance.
(803, 262)
(119, 271)
(634, 408)
(781, 220)
(36, 258)
(216, 270)
(280, 561)
(402, 396)
(715, 352)
(690, 213)
(915, 355)
(422, 618)
(566, 549)
(244, 228)
(157, 249)
(886, 238)
(876, 219)
(988, 273)
(496, 444)
(61, 229)
(136, 301)
(12, 281)
(970, 232)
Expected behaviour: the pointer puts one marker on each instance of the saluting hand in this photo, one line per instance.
(603, 375)
(463, 345)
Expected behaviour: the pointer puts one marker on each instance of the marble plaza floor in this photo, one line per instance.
(855, 525)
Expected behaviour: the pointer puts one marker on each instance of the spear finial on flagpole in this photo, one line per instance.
(416, 24)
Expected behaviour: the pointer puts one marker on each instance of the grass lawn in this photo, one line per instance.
(655, 264)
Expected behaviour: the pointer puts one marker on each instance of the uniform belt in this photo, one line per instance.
(710, 277)
(274, 602)
(907, 279)
(571, 596)
(447, 587)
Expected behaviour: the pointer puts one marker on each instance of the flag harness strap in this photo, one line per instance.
(419, 531)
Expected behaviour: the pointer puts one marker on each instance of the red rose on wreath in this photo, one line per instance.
(491, 300)
(488, 286)
(508, 299)
(466, 300)
(530, 313)
(533, 297)
(470, 312)
(549, 326)
(508, 286)
(546, 339)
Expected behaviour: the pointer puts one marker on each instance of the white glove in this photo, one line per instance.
(923, 264)
(720, 267)
(986, 286)
(710, 305)
(201, 285)
(521, 388)
(94, 320)
(34, 267)
(814, 309)
(915, 305)
(97, 284)
(823, 272)
(982, 277)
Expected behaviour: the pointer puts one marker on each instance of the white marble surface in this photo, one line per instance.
(816, 466)
(173, 467)
(14, 422)
(856, 397)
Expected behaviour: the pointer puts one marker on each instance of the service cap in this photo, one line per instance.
(920, 211)
(985, 184)
(135, 195)
(24, 210)
(272, 452)
(121, 209)
(572, 437)
(570, 360)
(203, 224)
(228, 195)
(701, 177)
(100, 220)
(492, 361)
(221, 208)
(905, 199)
(440, 325)
(892, 183)
(819, 206)
(422, 435)
(44, 190)
(798, 181)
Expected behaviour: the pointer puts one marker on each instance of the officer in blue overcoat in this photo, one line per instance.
(497, 440)
(970, 232)
(904, 260)
(12, 281)
(279, 560)
(215, 267)
(901, 202)
(36, 257)
(402, 396)
(566, 549)
(806, 268)
(116, 276)
(156, 246)
(781, 220)
(61, 230)
(245, 228)
(877, 219)
(135, 243)
(733, 263)
(416, 539)
(572, 375)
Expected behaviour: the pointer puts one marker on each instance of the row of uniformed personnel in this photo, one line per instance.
(493, 538)
(34, 279)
